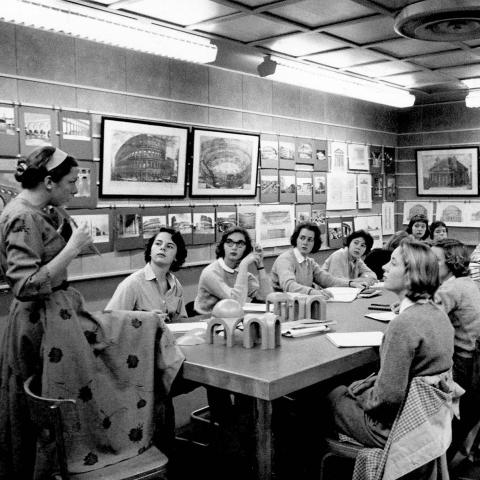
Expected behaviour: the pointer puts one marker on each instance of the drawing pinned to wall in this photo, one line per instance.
(303, 213)
(305, 152)
(364, 190)
(390, 188)
(388, 160)
(286, 149)
(37, 129)
(7, 121)
(304, 187)
(347, 226)
(319, 187)
(247, 217)
(319, 213)
(86, 196)
(473, 215)
(142, 158)
(417, 208)
(203, 225)
(321, 157)
(288, 187)
(269, 151)
(76, 128)
(151, 224)
(9, 144)
(453, 214)
(375, 158)
(274, 224)
(338, 156)
(377, 187)
(373, 225)
(226, 219)
(100, 226)
(449, 171)
(269, 185)
(181, 221)
(388, 218)
(335, 232)
(358, 157)
(341, 191)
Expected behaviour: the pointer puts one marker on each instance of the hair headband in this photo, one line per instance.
(56, 159)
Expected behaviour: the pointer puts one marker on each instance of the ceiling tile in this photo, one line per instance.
(418, 79)
(366, 31)
(322, 12)
(303, 44)
(381, 69)
(346, 58)
(180, 12)
(458, 57)
(248, 28)
(405, 47)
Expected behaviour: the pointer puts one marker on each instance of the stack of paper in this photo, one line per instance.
(343, 294)
(356, 339)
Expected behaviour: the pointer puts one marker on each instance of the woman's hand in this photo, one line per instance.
(81, 237)
(322, 293)
(362, 282)
(258, 254)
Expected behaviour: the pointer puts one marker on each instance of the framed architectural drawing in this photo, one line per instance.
(447, 172)
(224, 164)
(142, 159)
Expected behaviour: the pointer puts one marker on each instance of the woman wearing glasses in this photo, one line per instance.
(228, 276)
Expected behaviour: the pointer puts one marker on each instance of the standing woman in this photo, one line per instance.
(155, 287)
(418, 342)
(228, 276)
(35, 252)
(418, 227)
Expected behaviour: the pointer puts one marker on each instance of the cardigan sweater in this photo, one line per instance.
(289, 275)
(339, 264)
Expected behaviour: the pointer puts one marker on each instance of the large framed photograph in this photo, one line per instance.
(141, 159)
(224, 163)
(447, 172)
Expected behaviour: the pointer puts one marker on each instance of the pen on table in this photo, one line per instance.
(380, 305)
(380, 309)
(74, 223)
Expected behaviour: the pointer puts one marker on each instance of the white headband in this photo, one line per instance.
(56, 159)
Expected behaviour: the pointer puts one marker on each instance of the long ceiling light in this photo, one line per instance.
(472, 100)
(328, 81)
(99, 26)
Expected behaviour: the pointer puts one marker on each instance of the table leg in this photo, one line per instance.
(263, 438)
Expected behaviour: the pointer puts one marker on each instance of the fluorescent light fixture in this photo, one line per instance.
(104, 27)
(472, 100)
(328, 81)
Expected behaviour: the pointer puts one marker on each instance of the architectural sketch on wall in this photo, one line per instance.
(358, 157)
(304, 152)
(76, 128)
(226, 220)
(181, 221)
(338, 156)
(37, 129)
(376, 158)
(142, 159)
(98, 226)
(269, 153)
(7, 121)
(453, 214)
(417, 208)
(473, 216)
(447, 172)
(373, 225)
(274, 224)
(247, 218)
(341, 191)
(151, 224)
(364, 190)
(204, 223)
(388, 218)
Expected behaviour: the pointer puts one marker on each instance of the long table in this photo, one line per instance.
(267, 375)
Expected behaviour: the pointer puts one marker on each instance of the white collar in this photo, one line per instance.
(222, 263)
(404, 304)
(300, 258)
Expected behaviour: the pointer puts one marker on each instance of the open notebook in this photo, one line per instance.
(343, 294)
(355, 339)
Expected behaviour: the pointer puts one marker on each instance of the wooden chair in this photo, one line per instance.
(46, 414)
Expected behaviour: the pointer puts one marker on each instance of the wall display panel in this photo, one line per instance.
(377, 187)
(9, 188)
(247, 218)
(86, 196)
(288, 186)
(358, 157)
(338, 156)
(180, 218)
(304, 187)
(274, 225)
(319, 216)
(321, 156)
(417, 208)
(303, 213)
(388, 160)
(286, 153)
(453, 214)
(335, 232)
(269, 185)
(9, 130)
(447, 172)
(341, 191)
(38, 127)
(269, 156)
(364, 190)
(142, 159)
(375, 157)
(203, 224)
(226, 218)
(319, 187)
(304, 151)
(101, 227)
(76, 134)
(128, 232)
(153, 219)
(388, 218)
(373, 225)
(224, 163)
(390, 188)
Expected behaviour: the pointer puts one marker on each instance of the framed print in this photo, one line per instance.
(76, 134)
(86, 196)
(38, 127)
(224, 163)
(101, 228)
(9, 140)
(358, 157)
(447, 172)
(142, 159)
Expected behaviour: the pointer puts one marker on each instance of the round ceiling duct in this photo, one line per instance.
(440, 20)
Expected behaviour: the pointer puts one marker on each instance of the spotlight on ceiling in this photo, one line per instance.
(267, 67)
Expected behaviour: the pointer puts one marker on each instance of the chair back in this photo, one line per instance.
(46, 415)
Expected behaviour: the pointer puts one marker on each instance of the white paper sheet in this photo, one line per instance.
(356, 339)
(343, 294)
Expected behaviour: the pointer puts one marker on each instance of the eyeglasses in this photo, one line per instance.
(231, 243)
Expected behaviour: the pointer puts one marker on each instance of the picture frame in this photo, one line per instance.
(86, 196)
(215, 154)
(447, 172)
(38, 127)
(76, 134)
(128, 145)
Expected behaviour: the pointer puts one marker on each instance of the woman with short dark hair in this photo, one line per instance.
(228, 276)
(418, 227)
(154, 287)
(438, 230)
(347, 262)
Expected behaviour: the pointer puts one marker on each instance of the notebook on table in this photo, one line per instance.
(355, 339)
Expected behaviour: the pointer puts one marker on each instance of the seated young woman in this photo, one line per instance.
(418, 228)
(154, 287)
(438, 231)
(347, 262)
(294, 271)
(419, 342)
(228, 276)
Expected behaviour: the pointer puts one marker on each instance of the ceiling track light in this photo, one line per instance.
(103, 27)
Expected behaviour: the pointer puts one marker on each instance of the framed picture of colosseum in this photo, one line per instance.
(447, 172)
(142, 159)
(224, 163)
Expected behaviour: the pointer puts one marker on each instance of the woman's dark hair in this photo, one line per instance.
(32, 170)
(177, 239)
(435, 225)
(415, 219)
(457, 258)
(395, 239)
(421, 266)
(313, 227)
(220, 250)
(360, 234)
